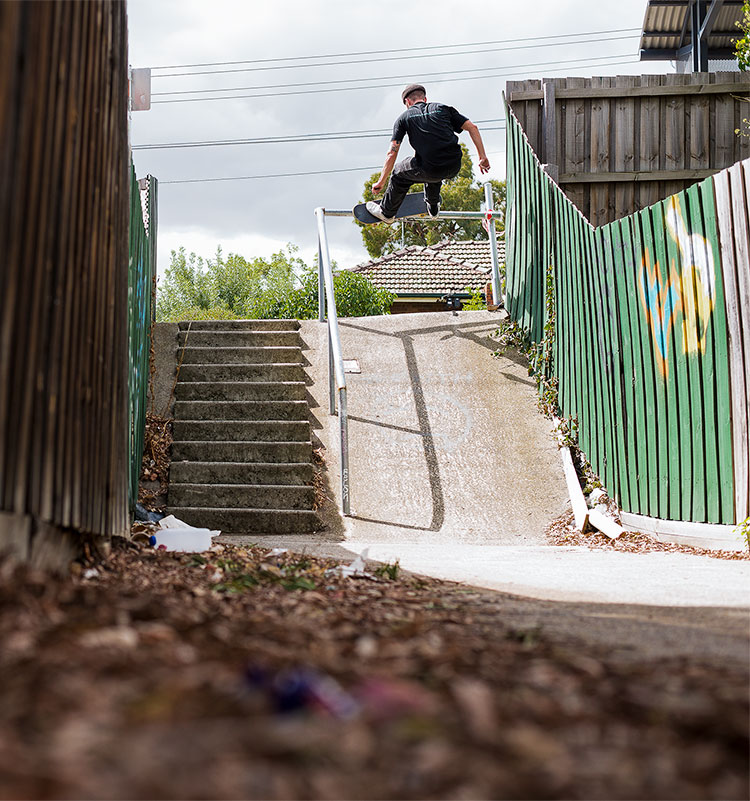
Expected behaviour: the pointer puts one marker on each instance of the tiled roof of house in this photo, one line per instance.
(439, 269)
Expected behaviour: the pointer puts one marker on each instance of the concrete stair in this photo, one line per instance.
(242, 455)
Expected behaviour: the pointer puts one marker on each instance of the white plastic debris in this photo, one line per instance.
(90, 573)
(355, 569)
(278, 551)
(175, 535)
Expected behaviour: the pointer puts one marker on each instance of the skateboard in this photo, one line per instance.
(413, 206)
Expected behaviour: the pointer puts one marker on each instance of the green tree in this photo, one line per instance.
(742, 46)
(356, 296)
(235, 288)
(222, 288)
(461, 193)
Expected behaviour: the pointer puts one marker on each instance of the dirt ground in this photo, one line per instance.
(241, 673)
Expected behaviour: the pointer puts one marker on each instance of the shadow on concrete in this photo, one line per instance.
(463, 331)
(511, 377)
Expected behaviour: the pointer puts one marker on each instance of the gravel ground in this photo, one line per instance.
(241, 673)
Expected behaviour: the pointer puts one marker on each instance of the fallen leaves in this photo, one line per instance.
(245, 672)
(562, 531)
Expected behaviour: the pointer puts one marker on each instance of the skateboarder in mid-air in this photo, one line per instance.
(432, 129)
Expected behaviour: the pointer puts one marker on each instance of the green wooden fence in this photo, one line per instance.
(646, 321)
(141, 278)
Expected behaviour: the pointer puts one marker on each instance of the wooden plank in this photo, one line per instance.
(743, 274)
(593, 386)
(722, 133)
(717, 380)
(578, 340)
(697, 535)
(550, 155)
(600, 156)
(636, 176)
(674, 139)
(666, 401)
(624, 156)
(628, 442)
(652, 350)
(684, 481)
(533, 123)
(574, 142)
(577, 500)
(739, 359)
(643, 402)
(699, 154)
(605, 524)
(741, 229)
(609, 355)
(693, 323)
(606, 92)
(617, 319)
(650, 142)
(562, 298)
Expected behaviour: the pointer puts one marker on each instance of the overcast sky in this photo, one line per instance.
(272, 40)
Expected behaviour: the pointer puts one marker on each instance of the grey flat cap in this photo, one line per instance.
(412, 87)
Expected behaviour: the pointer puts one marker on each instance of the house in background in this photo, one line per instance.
(422, 277)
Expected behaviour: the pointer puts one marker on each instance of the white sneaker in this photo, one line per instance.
(374, 208)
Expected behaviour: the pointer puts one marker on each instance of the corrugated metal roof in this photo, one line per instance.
(667, 27)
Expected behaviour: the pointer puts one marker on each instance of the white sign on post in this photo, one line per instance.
(140, 89)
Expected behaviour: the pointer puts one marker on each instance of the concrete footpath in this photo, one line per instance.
(455, 474)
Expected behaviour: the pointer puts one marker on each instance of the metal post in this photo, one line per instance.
(344, 438)
(497, 296)
(321, 286)
(336, 376)
(331, 376)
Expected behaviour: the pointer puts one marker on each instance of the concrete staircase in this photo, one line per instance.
(242, 456)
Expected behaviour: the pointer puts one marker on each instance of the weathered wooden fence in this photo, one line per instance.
(64, 214)
(646, 326)
(617, 145)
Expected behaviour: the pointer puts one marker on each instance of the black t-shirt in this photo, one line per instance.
(432, 129)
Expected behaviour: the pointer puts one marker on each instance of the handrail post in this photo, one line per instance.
(336, 376)
(321, 286)
(489, 210)
(331, 378)
(344, 437)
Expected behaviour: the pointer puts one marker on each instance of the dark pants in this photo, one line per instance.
(409, 172)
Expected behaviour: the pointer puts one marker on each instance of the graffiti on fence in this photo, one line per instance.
(689, 287)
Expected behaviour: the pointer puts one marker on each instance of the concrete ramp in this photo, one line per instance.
(446, 443)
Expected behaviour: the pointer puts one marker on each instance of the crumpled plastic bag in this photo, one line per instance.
(355, 569)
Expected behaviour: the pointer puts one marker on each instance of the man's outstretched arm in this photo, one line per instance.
(476, 138)
(390, 160)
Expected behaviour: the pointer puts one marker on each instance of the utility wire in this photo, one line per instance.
(390, 77)
(394, 50)
(353, 88)
(398, 58)
(305, 137)
(283, 174)
(280, 140)
(276, 175)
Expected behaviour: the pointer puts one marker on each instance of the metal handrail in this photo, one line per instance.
(327, 308)
(336, 376)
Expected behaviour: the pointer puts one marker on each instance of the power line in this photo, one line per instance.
(393, 50)
(281, 174)
(373, 86)
(398, 58)
(388, 77)
(305, 137)
(276, 175)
